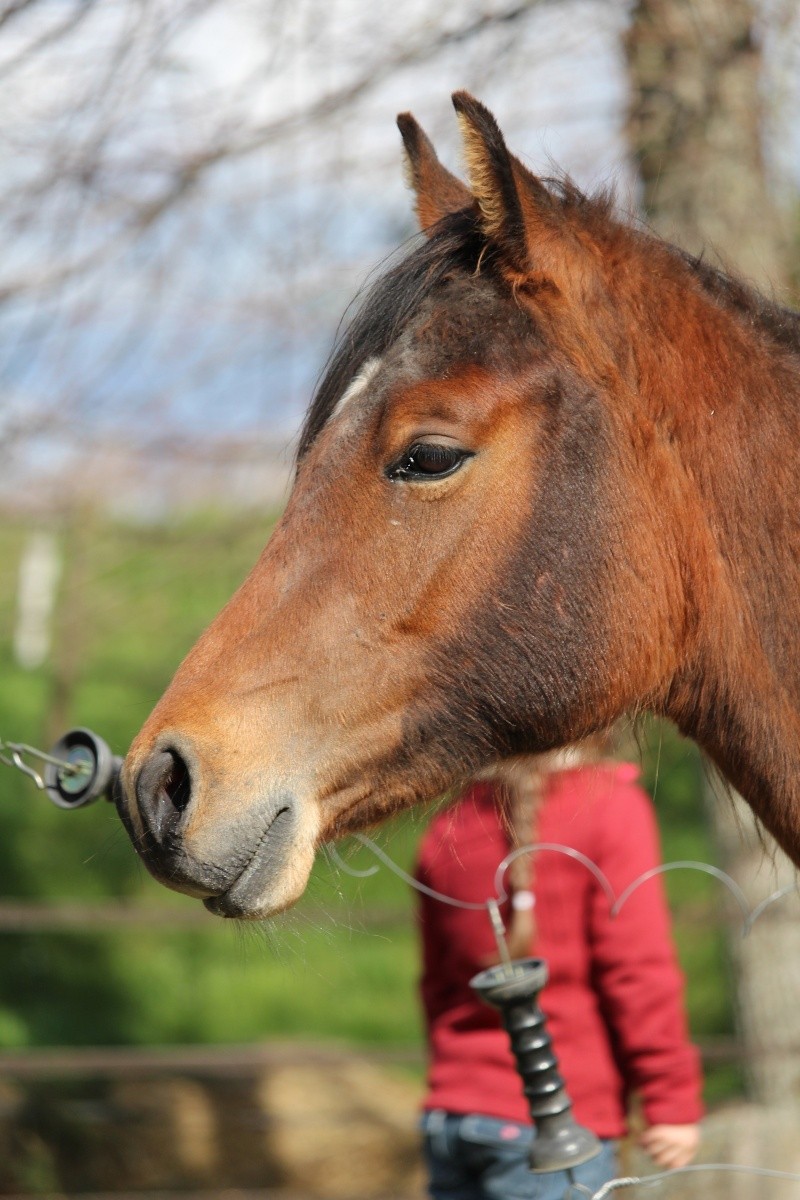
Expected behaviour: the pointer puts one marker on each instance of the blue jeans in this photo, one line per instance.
(481, 1158)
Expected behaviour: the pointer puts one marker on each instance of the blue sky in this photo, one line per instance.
(219, 318)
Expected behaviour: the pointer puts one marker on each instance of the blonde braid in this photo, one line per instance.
(525, 785)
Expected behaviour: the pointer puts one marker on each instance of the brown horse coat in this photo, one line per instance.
(550, 478)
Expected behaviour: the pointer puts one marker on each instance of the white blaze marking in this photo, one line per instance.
(359, 385)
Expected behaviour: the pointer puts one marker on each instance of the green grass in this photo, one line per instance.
(132, 602)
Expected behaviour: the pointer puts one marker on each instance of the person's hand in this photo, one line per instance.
(671, 1146)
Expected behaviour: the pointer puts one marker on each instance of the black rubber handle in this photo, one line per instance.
(560, 1143)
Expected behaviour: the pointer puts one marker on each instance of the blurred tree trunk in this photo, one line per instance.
(695, 128)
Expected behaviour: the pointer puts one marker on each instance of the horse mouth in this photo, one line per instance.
(250, 895)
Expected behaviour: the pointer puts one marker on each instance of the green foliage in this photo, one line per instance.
(344, 964)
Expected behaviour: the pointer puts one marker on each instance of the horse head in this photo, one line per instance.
(484, 552)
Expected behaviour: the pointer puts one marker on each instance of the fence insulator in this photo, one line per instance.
(560, 1143)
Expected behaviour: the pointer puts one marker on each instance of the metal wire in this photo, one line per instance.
(616, 903)
(765, 904)
(558, 848)
(334, 854)
(616, 1185)
(722, 876)
(16, 750)
(499, 931)
(12, 755)
(474, 906)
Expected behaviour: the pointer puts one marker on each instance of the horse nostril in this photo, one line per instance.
(177, 782)
(163, 791)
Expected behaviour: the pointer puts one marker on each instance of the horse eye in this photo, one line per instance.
(426, 460)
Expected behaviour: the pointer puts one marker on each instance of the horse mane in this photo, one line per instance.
(781, 324)
(457, 244)
(385, 308)
(595, 213)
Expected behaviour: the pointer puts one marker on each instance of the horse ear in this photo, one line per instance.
(519, 214)
(493, 175)
(437, 191)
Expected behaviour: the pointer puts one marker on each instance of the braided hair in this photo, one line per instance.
(523, 786)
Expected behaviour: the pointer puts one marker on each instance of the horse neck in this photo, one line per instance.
(725, 393)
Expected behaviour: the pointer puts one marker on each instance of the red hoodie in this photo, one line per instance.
(615, 995)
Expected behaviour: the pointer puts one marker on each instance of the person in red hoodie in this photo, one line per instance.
(614, 1000)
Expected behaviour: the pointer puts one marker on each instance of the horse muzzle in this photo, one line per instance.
(243, 856)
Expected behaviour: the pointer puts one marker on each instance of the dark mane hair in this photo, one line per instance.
(595, 211)
(779, 323)
(457, 244)
(386, 307)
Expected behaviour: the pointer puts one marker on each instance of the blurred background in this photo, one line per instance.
(192, 192)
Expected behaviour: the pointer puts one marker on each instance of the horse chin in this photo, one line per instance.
(251, 900)
(252, 864)
(265, 888)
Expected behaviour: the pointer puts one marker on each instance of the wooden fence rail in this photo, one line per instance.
(43, 1062)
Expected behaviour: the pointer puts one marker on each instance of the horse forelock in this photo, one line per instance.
(457, 245)
(386, 308)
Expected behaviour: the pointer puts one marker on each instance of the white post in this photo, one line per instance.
(39, 571)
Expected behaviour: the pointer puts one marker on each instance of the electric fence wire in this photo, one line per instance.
(616, 1185)
(11, 754)
(616, 903)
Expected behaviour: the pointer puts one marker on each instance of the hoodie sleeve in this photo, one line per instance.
(434, 984)
(635, 967)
